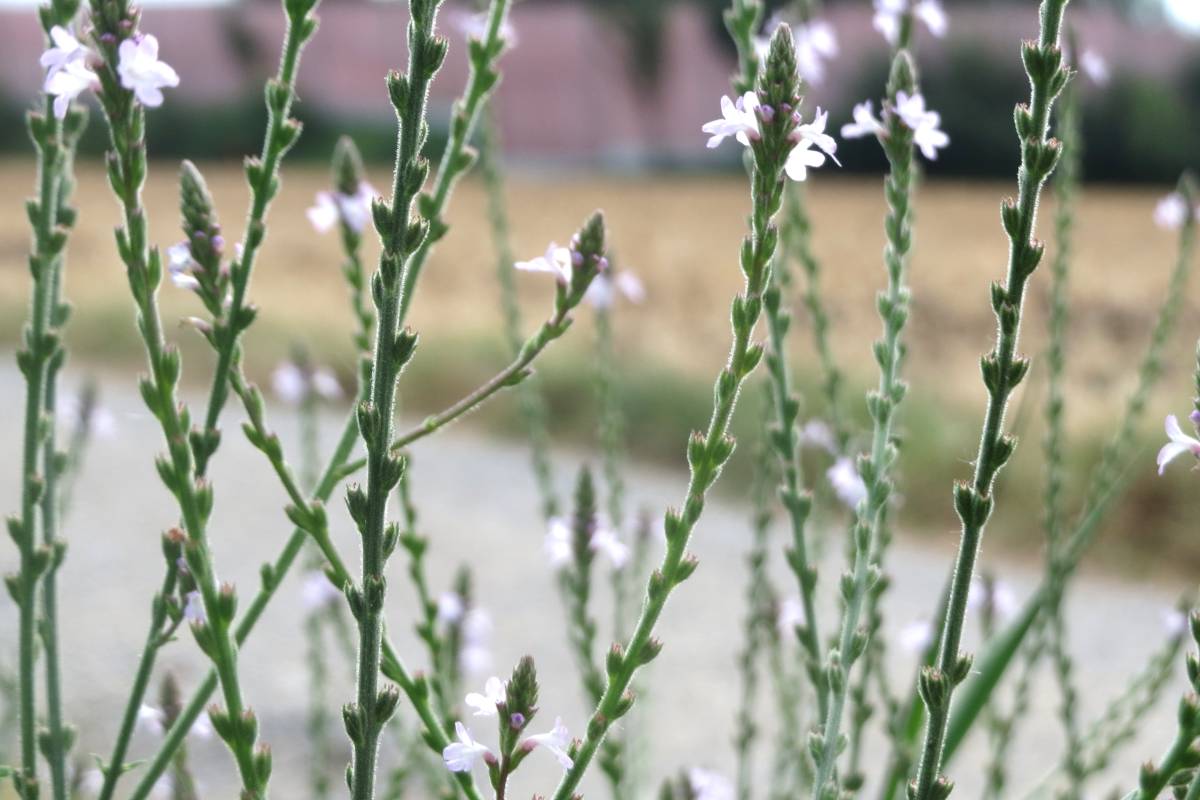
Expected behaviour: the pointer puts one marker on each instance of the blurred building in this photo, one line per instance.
(570, 92)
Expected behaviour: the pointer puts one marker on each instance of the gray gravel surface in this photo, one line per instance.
(477, 503)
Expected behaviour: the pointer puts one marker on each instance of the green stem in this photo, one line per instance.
(1002, 370)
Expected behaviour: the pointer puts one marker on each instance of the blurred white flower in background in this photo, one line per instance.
(888, 14)
(330, 208)
(603, 289)
(557, 261)
(707, 784)
(475, 26)
(815, 43)
(476, 657)
(847, 483)
(996, 594)
(318, 592)
(916, 636)
(1171, 211)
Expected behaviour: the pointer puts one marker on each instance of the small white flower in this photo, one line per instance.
(888, 13)
(559, 546)
(556, 740)
(1174, 621)
(326, 384)
(790, 616)
(1171, 211)
(916, 636)
(709, 785)
(318, 591)
(193, 608)
(600, 292)
(92, 783)
(65, 50)
(815, 43)
(475, 658)
(475, 26)
(865, 123)
(329, 208)
(738, 119)
(604, 540)
(1095, 67)
(557, 261)
(817, 434)
(557, 543)
(449, 608)
(323, 214)
(815, 132)
(202, 728)
(181, 265)
(485, 704)
(141, 72)
(923, 123)
(68, 82)
(847, 483)
(460, 756)
(288, 383)
(151, 719)
(999, 595)
(801, 158)
(1179, 444)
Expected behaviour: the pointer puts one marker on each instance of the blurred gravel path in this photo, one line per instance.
(476, 498)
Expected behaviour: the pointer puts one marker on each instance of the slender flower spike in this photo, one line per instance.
(557, 261)
(67, 82)
(738, 119)
(1171, 211)
(556, 741)
(925, 124)
(141, 72)
(1178, 444)
(486, 704)
(888, 14)
(847, 483)
(460, 756)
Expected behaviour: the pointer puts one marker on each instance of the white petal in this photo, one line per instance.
(1169, 452)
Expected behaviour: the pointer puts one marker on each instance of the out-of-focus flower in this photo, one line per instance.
(916, 636)
(559, 547)
(603, 289)
(288, 383)
(475, 26)
(485, 704)
(318, 591)
(476, 657)
(708, 784)
(847, 484)
(925, 124)
(738, 119)
(1171, 211)
(330, 208)
(449, 607)
(557, 261)
(326, 384)
(1178, 443)
(1175, 622)
(815, 43)
(1095, 67)
(460, 756)
(888, 14)
(141, 72)
(997, 595)
(865, 123)
(181, 265)
(67, 83)
(66, 49)
(817, 434)
(556, 740)
(193, 608)
(790, 616)
(150, 719)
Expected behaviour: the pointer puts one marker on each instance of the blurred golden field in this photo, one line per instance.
(681, 235)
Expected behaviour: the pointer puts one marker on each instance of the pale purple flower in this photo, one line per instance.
(326, 384)
(193, 608)
(288, 383)
(556, 740)
(1095, 67)
(847, 484)
(460, 756)
(865, 123)
(801, 158)
(485, 704)
(475, 26)
(330, 208)
(449, 608)
(92, 783)
(603, 289)
(557, 544)
(557, 261)
(815, 42)
(605, 540)
(916, 636)
(708, 784)
(65, 50)
(738, 119)
(1171, 211)
(141, 72)
(998, 594)
(815, 132)
(924, 124)
(791, 615)
(100, 420)
(1179, 444)
(181, 265)
(817, 434)
(888, 13)
(559, 548)
(475, 657)
(318, 591)
(1174, 621)
(151, 720)
(68, 82)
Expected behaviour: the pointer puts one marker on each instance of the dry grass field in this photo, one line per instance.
(681, 234)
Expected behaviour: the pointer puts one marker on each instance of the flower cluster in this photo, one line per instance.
(742, 119)
(888, 15)
(911, 111)
(353, 210)
(139, 69)
(602, 539)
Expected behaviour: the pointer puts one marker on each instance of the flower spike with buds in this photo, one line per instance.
(909, 108)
